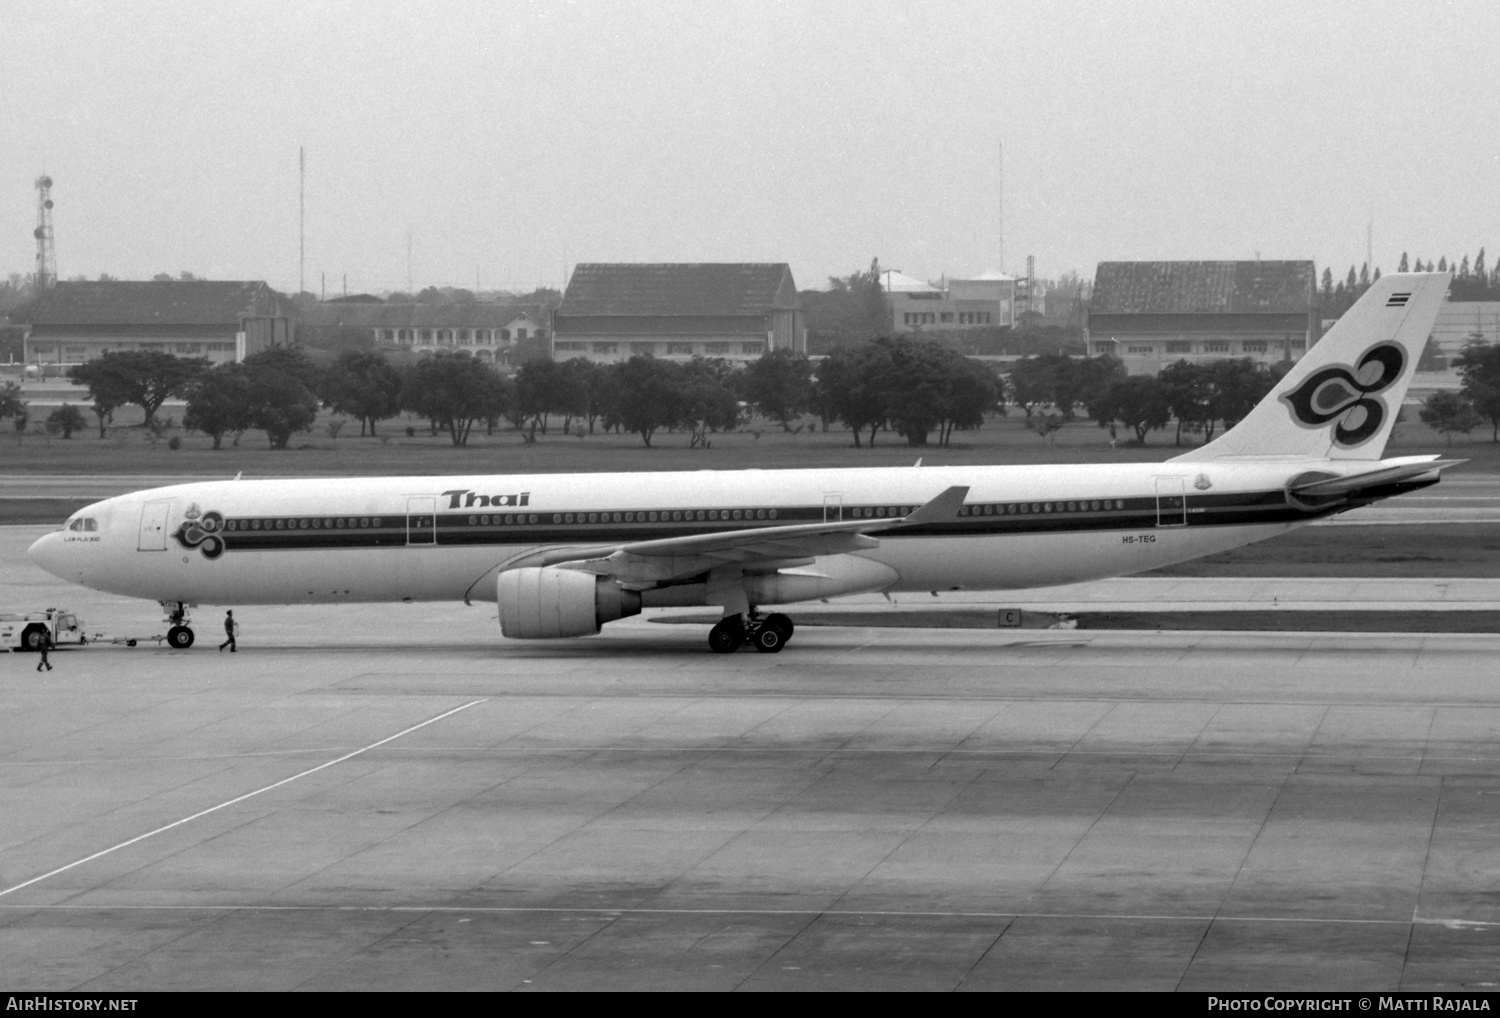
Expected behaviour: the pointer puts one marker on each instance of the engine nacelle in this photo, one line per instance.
(545, 603)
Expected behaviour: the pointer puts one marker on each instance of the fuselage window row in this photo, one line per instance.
(322, 523)
(1013, 508)
(667, 516)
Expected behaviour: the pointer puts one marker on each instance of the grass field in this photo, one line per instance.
(129, 449)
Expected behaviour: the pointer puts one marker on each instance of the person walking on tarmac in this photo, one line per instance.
(42, 647)
(229, 628)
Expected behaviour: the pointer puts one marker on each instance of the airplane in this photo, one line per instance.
(564, 554)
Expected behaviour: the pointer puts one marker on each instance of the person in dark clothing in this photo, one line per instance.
(229, 628)
(42, 647)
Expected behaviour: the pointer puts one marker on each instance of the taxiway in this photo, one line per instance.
(394, 797)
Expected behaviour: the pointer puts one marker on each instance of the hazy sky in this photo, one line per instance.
(511, 138)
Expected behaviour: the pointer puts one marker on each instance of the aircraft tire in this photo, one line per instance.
(180, 637)
(726, 636)
(782, 623)
(769, 640)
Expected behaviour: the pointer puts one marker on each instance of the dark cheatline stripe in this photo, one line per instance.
(468, 528)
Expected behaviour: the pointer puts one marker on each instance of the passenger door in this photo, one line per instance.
(154, 526)
(421, 521)
(1171, 502)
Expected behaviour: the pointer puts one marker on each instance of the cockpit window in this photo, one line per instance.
(84, 523)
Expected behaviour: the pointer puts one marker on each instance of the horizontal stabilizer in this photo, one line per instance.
(1324, 485)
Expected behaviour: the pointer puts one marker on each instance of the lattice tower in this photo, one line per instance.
(46, 255)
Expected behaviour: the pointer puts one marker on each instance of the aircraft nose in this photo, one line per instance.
(46, 552)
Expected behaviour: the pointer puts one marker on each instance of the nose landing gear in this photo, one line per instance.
(766, 633)
(180, 636)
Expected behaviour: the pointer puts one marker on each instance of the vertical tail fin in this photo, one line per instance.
(1341, 399)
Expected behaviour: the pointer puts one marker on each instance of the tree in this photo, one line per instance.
(928, 386)
(1237, 386)
(708, 402)
(11, 403)
(1479, 366)
(1189, 398)
(594, 378)
(779, 385)
(280, 396)
(851, 387)
(551, 387)
(279, 405)
(455, 391)
(1449, 413)
(1140, 402)
(1401, 267)
(145, 378)
(67, 419)
(1089, 379)
(219, 402)
(289, 360)
(648, 395)
(971, 390)
(104, 407)
(1033, 382)
(362, 384)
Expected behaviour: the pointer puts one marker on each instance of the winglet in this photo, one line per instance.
(941, 509)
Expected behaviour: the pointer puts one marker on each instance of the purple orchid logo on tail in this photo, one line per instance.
(1347, 395)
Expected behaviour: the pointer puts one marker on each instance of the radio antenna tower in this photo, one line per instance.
(1000, 218)
(301, 220)
(46, 255)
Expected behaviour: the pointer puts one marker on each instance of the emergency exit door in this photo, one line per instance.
(154, 526)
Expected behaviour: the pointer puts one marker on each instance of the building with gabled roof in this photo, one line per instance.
(1152, 314)
(71, 323)
(738, 311)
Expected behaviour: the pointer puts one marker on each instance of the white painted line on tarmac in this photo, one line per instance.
(237, 799)
(629, 910)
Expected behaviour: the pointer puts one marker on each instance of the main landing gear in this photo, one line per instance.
(766, 633)
(179, 637)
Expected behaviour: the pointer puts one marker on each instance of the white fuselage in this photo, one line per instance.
(445, 538)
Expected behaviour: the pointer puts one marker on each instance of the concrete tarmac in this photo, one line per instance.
(381, 797)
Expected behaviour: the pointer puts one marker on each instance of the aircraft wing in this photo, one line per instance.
(668, 558)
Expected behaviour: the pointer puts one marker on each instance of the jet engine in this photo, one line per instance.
(544, 603)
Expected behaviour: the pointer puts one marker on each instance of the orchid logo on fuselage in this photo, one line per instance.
(1348, 395)
(202, 532)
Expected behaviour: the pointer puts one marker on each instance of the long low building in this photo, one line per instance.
(72, 323)
(1152, 314)
(489, 332)
(612, 312)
